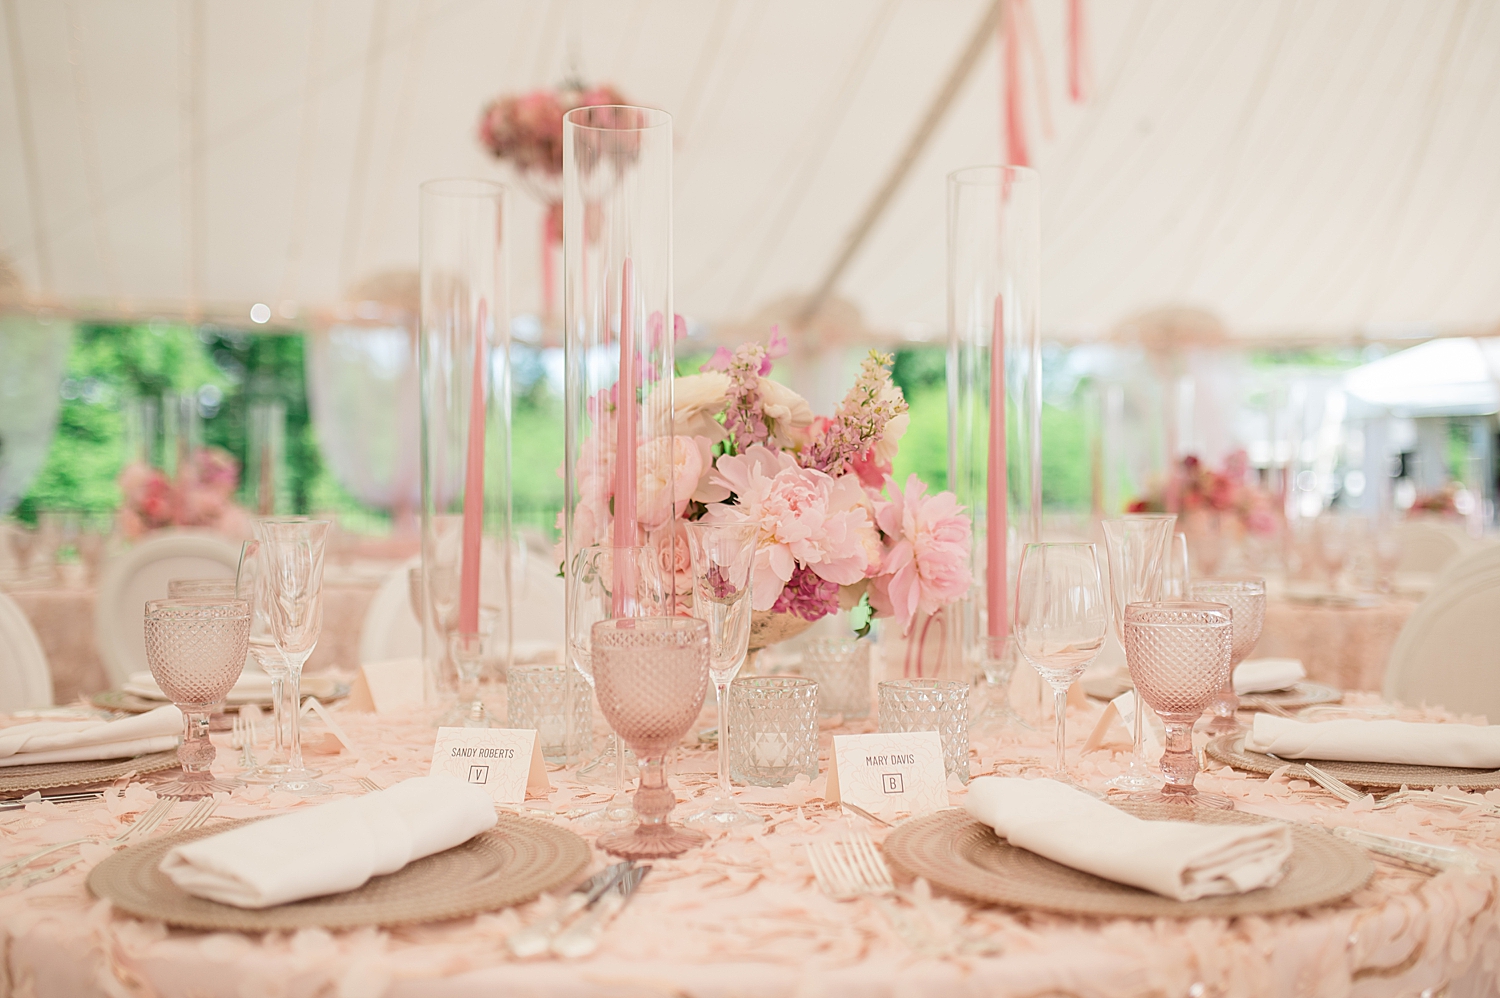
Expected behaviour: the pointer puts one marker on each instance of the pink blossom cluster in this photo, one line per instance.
(202, 495)
(527, 129)
(847, 441)
(1194, 487)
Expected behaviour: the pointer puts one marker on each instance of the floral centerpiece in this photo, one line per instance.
(202, 496)
(1196, 488)
(835, 530)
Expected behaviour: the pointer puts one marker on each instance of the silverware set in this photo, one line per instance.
(1348, 794)
(574, 928)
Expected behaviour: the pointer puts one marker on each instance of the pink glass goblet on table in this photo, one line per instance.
(196, 649)
(651, 676)
(1246, 599)
(1178, 655)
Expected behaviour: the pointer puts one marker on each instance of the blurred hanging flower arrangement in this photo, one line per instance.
(1196, 488)
(526, 131)
(202, 496)
(835, 530)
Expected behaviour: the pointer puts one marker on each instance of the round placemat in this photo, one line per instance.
(1230, 750)
(1295, 696)
(964, 856)
(24, 779)
(509, 864)
(130, 703)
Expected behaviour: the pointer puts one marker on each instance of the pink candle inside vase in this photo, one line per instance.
(626, 416)
(995, 506)
(468, 579)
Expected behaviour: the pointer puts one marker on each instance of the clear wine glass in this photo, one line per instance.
(201, 589)
(1136, 548)
(652, 676)
(1178, 654)
(252, 584)
(1060, 621)
(196, 649)
(1246, 599)
(1331, 540)
(723, 557)
(294, 548)
(1176, 576)
(467, 652)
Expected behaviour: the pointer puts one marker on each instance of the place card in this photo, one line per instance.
(1121, 710)
(507, 762)
(387, 687)
(889, 773)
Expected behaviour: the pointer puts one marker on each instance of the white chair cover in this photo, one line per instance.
(1430, 547)
(1484, 560)
(1448, 654)
(25, 678)
(141, 574)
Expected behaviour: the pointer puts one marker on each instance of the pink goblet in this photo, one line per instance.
(1178, 655)
(651, 675)
(196, 649)
(1246, 599)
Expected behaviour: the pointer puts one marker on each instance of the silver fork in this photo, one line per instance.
(242, 737)
(853, 869)
(200, 813)
(143, 827)
(1334, 785)
(155, 814)
(1345, 792)
(368, 785)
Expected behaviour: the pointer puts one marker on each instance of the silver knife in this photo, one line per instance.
(65, 798)
(534, 939)
(582, 937)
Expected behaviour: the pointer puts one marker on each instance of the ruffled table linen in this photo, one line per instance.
(742, 916)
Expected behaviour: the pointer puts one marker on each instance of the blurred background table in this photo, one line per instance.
(1341, 644)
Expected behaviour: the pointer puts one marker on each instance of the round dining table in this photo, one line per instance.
(744, 916)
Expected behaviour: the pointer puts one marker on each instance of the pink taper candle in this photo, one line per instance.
(468, 579)
(995, 565)
(625, 449)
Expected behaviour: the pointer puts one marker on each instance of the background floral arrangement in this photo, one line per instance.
(834, 528)
(1198, 488)
(202, 495)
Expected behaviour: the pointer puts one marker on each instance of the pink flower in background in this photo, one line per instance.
(926, 566)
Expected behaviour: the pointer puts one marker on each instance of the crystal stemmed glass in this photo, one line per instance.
(252, 583)
(723, 562)
(295, 547)
(1246, 599)
(1176, 576)
(196, 649)
(652, 676)
(1060, 620)
(1136, 548)
(467, 652)
(998, 662)
(1178, 654)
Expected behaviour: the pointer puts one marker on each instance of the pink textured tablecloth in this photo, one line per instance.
(743, 917)
(63, 619)
(1344, 646)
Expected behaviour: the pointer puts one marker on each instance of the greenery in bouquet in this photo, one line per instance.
(835, 529)
(1194, 487)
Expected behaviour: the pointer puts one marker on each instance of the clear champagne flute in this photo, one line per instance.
(252, 584)
(723, 557)
(1177, 577)
(196, 649)
(1136, 548)
(1060, 621)
(295, 548)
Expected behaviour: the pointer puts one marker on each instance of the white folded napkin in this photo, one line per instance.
(1177, 859)
(1409, 743)
(251, 687)
(331, 848)
(1262, 675)
(77, 741)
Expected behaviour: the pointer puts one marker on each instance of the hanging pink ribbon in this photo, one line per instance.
(1018, 29)
(1016, 152)
(1079, 76)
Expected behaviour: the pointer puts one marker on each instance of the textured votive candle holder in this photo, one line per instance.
(555, 701)
(773, 730)
(940, 705)
(841, 668)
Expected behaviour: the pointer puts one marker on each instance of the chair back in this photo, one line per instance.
(1430, 547)
(141, 574)
(1448, 653)
(25, 678)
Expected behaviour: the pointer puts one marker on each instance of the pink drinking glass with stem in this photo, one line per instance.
(294, 548)
(1178, 654)
(1136, 549)
(723, 558)
(196, 650)
(651, 674)
(1060, 621)
(1246, 599)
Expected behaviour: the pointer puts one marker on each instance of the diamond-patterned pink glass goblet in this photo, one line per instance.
(1178, 655)
(1246, 599)
(196, 649)
(651, 675)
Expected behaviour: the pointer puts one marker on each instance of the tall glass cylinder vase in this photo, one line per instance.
(265, 452)
(994, 393)
(623, 553)
(464, 366)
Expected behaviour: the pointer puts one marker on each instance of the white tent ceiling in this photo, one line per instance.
(1324, 168)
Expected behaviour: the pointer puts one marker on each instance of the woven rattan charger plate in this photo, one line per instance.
(512, 863)
(1293, 697)
(17, 780)
(1230, 750)
(964, 856)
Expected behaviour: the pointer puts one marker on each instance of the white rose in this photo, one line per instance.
(789, 413)
(890, 440)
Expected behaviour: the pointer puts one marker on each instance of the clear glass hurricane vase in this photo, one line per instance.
(1137, 548)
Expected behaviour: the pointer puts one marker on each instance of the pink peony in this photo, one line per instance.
(927, 564)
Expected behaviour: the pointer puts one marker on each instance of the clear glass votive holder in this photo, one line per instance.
(940, 705)
(841, 668)
(773, 730)
(558, 703)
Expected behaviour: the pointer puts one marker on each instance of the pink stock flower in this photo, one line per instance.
(926, 566)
